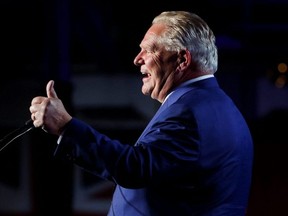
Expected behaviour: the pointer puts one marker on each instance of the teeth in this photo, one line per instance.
(144, 74)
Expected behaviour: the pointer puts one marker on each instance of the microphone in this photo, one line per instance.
(10, 137)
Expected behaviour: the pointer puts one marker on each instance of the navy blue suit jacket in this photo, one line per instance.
(194, 158)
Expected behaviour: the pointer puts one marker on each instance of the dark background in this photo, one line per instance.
(62, 39)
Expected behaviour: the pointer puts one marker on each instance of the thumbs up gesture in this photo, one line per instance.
(49, 112)
(50, 91)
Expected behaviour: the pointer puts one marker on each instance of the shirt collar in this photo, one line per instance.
(189, 82)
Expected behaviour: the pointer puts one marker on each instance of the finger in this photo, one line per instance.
(33, 110)
(51, 93)
(37, 100)
(37, 123)
(33, 117)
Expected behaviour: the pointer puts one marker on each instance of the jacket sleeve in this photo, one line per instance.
(161, 155)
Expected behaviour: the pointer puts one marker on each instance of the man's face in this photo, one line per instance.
(156, 64)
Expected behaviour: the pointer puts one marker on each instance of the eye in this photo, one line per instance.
(148, 51)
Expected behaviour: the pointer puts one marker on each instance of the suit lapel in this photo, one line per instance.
(205, 83)
(170, 100)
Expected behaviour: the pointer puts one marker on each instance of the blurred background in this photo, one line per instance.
(88, 49)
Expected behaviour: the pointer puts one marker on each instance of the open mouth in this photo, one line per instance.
(145, 75)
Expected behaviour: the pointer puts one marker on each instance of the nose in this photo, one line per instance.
(138, 60)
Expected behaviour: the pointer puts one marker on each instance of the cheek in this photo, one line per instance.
(154, 66)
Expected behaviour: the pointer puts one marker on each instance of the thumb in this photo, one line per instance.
(51, 93)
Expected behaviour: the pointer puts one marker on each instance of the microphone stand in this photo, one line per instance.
(10, 137)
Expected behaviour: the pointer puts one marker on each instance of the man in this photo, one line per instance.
(194, 157)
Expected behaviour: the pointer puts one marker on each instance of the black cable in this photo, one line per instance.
(10, 137)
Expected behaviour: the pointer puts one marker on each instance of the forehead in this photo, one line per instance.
(153, 32)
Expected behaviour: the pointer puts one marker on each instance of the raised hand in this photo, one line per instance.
(49, 112)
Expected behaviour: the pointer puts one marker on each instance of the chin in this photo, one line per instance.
(145, 91)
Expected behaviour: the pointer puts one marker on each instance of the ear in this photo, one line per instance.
(184, 59)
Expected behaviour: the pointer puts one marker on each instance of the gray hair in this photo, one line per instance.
(187, 30)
